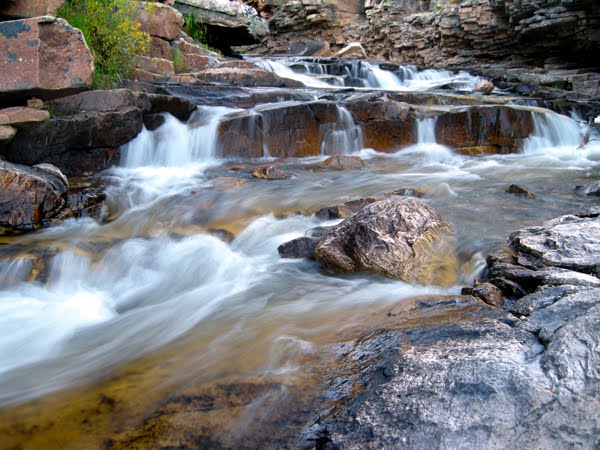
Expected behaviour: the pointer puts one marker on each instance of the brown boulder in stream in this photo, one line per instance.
(399, 238)
(30, 196)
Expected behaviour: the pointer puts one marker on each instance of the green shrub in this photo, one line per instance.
(195, 29)
(179, 62)
(111, 32)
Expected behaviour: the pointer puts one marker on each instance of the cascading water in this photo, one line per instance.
(344, 136)
(177, 144)
(551, 130)
(154, 294)
(356, 73)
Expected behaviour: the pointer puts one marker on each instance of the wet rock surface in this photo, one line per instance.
(30, 196)
(396, 237)
(86, 141)
(454, 372)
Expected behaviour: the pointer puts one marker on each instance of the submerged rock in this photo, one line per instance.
(589, 189)
(269, 173)
(341, 162)
(518, 190)
(400, 238)
(30, 196)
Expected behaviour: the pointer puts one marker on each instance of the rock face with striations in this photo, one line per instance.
(400, 238)
(444, 32)
(43, 57)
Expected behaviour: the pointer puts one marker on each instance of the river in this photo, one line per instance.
(181, 284)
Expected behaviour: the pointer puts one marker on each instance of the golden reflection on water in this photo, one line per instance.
(196, 389)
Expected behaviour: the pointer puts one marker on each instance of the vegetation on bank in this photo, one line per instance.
(112, 33)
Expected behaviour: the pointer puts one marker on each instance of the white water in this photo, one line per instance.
(285, 72)
(551, 130)
(119, 290)
(345, 137)
(371, 75)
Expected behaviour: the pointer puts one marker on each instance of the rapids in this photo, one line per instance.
(154, 278)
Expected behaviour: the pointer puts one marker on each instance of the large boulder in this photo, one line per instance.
(161, 21)
(43, 57)
(30, 196)
(400, 238)
(22, 9)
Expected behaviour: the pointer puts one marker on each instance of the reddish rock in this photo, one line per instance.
(159, 48)
(240, 76)
(21, 9)
(22, 117)
(44, 57)
(342, 162)
(161, 21)
(241, 135)
(158, 66)
(386, 126)
(269, 173)
(501, 127)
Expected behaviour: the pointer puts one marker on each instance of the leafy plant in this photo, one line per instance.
(179, 62)
(195, 29)
(112, 33)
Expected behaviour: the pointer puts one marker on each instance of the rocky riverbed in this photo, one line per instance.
(303, 251)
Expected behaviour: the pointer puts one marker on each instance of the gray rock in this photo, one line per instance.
(569, 242)
(303, 247)
(589, 189)
(396, 237)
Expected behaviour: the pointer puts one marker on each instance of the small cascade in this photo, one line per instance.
(427, 147)
(177, 144)
(552, 130)
(344, 137)
(285, 71)
(426, 130)
(324, 72)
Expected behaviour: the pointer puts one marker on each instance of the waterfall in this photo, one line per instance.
(343, 137)
(177, 144)
(426, 130)
(551, 130)
(286, 72)
(357, 73)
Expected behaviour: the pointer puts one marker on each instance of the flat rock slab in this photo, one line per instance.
(20, 116)
(43, 57)
(455, 373)
(568, 242)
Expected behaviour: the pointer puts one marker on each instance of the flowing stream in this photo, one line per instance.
(181, 284)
